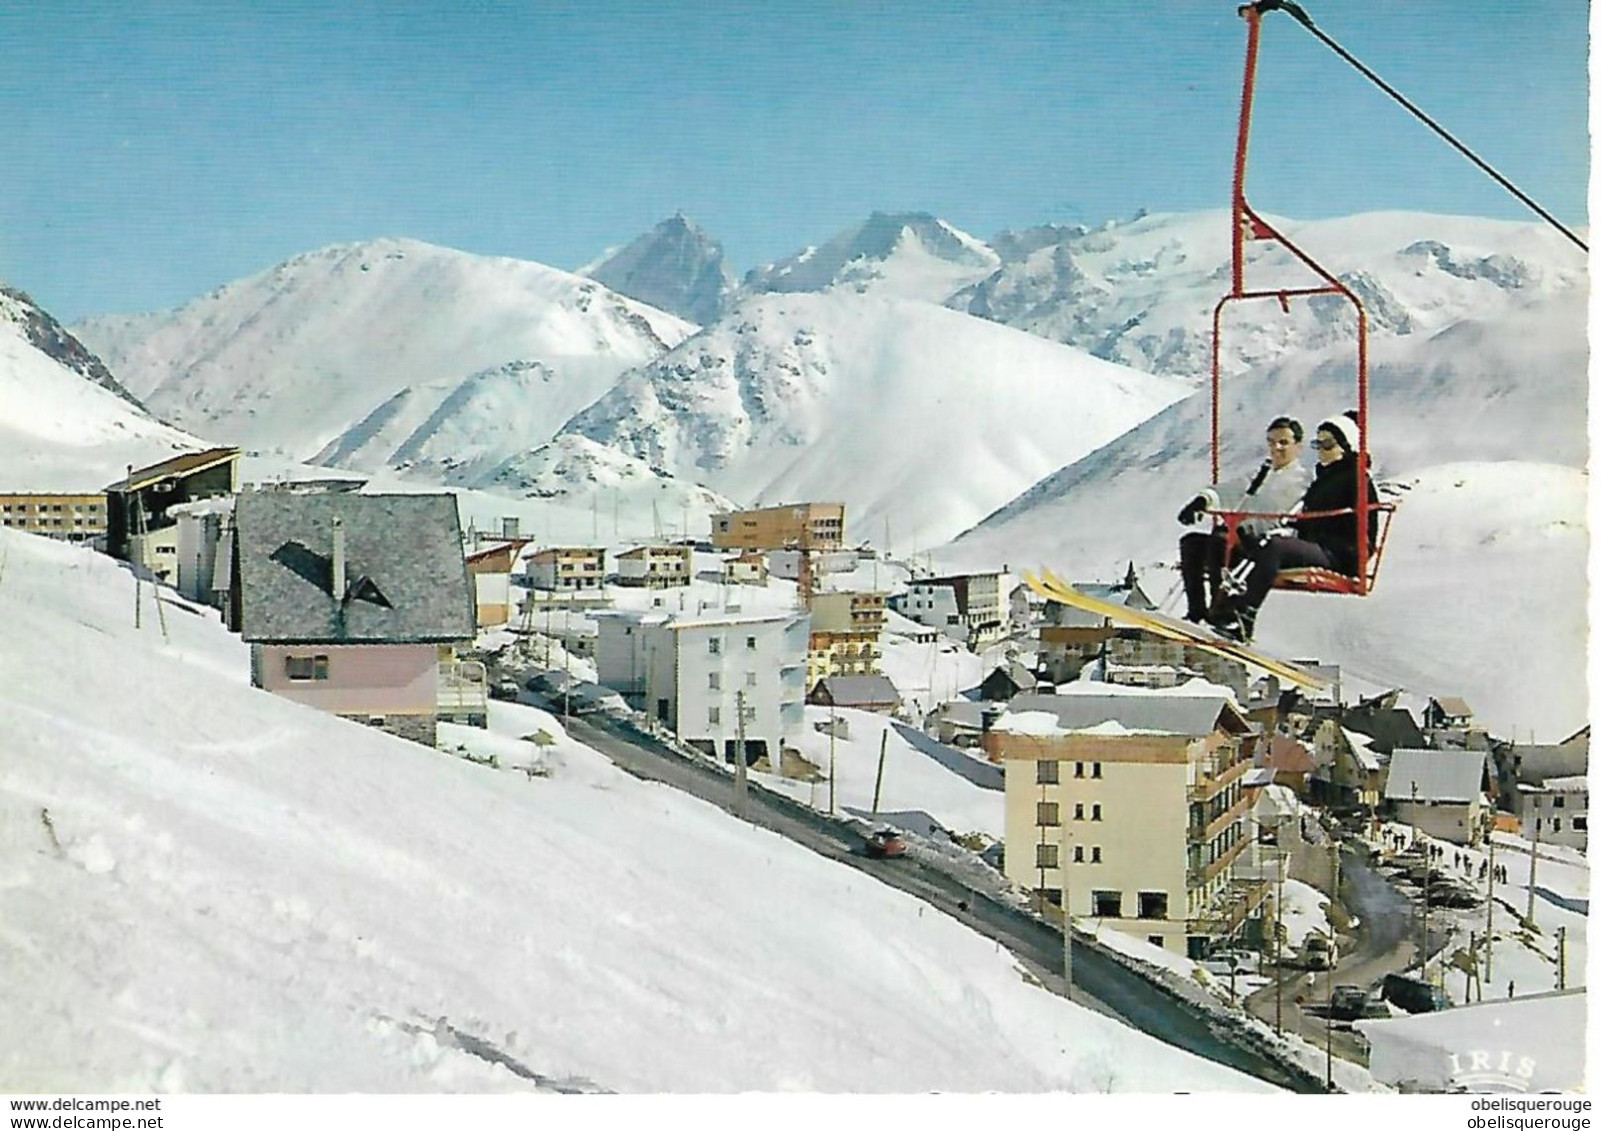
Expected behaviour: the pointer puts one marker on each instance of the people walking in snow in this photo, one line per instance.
(1274, 488)
(1325, 529)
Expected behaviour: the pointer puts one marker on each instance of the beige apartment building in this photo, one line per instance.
(71, 518)
(801, 526)
(567, 569)
(1128, 805)
(845, 635)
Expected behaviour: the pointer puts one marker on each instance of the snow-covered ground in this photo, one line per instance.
(207, 888)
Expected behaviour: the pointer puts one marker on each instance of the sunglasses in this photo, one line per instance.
(1325, 445)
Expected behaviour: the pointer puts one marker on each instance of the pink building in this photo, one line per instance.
(352, 603)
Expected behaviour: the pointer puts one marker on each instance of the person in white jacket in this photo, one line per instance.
(1274, 488)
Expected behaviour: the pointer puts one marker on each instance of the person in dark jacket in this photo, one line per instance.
(1275, 488)
(1321, 539)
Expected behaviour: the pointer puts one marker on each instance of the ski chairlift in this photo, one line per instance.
(1372, 519)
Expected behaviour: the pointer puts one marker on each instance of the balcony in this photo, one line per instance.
(1237, 903)
(463, 695)
(1205, 874)
(1199, 833)
(1210, 778)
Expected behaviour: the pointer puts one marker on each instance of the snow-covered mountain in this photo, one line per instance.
(210, 889)
(909, 255)
(674, 267)
(1142, 292)
(293, 358)
(904, 411)
(580, 470)
(65, 422)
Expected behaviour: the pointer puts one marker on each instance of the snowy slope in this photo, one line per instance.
(909, 255)
(65, 424)
(901, 410)
(1142, 292)
(293, 357)
(206, 888)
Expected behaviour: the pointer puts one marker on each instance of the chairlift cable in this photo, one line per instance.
(1305, 21)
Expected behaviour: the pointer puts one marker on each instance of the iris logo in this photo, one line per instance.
(1485, 1070)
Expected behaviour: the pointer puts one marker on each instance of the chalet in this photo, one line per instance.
(1288, 762)
(1008, 679)
(139, 528)
(353, 604)
(1523, 770)
(1441, 792)
(491, 569)
(748, 568)
(874, 693)
(1557, 811)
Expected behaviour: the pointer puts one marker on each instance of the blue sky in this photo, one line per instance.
(155, 151)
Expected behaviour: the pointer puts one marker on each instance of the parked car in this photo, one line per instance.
(1347, 1003)
(1413, 994)
(1226, 962)
(1319, 953)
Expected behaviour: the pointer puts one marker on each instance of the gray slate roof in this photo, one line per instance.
(406, 577)
(1191, 715)
(1441, 775)
(847, 689)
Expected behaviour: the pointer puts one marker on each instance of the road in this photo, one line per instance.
(1100, 981)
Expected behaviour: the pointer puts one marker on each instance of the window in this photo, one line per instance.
(1078, 769)
(714, 646)
(714, 716)
(1078, 854)
(1558, 801)
(1106, 904)
(1095, 770)
(1095, 812)
(1045, 856)
(1095, 854)
(714, 681)
(306, 667)
(1047, 813)
(1156, 940)
(1153, 905)
(1581, 824)
(1047, 771)
(750, 643)
(1078, 810)
(750, 679)
(1556, 825)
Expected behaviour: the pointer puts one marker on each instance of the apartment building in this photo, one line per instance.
(655, 567)
(567, 569)
(845, 635)
(1128, 805)
(68, 517)
(139, 527)
(806, 526)
(970, 608)
(695, 674)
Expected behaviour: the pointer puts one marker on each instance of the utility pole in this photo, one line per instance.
(1489, 901)
(1067, 909)
(1534, 858)
(1328, 1033)
(1278, 929)
(832, 724)
(1423, 967)
(878, 782)
(739, 754)
(1562, 958)
(128, 501)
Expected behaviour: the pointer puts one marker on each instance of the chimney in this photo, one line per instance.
(339, 559)
(509, 527)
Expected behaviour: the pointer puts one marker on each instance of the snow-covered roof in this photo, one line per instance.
(1362, 750)
(848, 690)
(1439, 775)
(1567, 784)
(1190, 715)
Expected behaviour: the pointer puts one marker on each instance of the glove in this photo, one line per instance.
(1192, 510)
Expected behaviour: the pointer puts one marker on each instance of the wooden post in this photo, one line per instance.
(1489, 906)
(832, 723)
(1534, 857)
(878, 782)
(739, 754)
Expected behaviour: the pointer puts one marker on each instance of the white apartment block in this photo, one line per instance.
(567, 569)
(1562, 806)
(971, 609)
(694, 674)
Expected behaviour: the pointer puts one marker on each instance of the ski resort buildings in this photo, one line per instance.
(65, 517)
(1129, 806)
(970, 608)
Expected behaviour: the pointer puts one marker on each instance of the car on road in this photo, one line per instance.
(1414, 995)
(884, 843)
(1319, 953)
